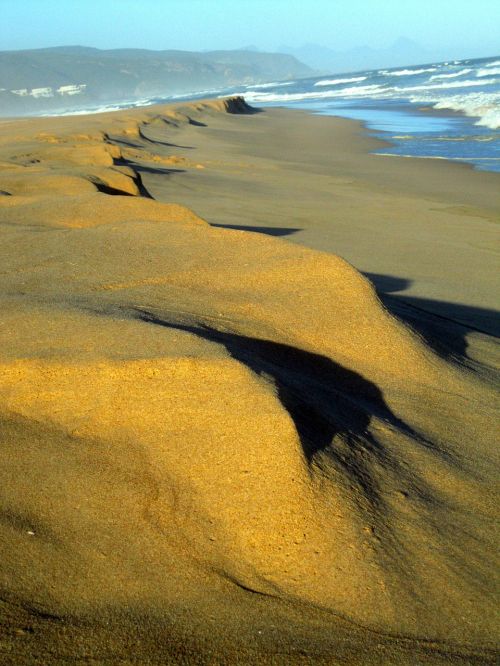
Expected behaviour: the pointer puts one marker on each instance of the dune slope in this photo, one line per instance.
(217, 444)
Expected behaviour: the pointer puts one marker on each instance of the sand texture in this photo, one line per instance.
(221, 446)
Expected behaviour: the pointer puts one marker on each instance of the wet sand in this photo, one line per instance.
(219, 445)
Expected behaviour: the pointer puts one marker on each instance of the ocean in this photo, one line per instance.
(448, 110)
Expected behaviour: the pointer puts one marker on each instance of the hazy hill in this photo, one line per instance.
(72, 76)
(403, 52)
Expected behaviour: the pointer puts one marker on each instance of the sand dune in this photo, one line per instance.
(219, 445)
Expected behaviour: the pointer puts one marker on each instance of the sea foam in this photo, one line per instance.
(443, 86)
(334, 82)
(354, 91)
(407, 72)
(271, 85)
(488, 71)
(453, 75)
(483, 106)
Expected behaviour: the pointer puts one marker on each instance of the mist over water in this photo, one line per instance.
(448, 110)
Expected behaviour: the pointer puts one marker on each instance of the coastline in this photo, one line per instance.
(219, 445)
(440, 195)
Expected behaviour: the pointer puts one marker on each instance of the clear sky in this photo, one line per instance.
(466, 28)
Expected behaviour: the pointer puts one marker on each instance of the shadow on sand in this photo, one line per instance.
(444, 326)
(268, 231)
(138, 170)
(142, 168)
(331, 407)
(146, 135)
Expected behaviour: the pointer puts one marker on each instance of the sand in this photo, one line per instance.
(223, 446)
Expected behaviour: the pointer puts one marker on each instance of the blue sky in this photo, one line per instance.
(459, 28)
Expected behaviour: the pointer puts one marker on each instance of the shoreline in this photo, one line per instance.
(181, 100)
(218, 443)
(444, 113)
(439, 113)
(460, 192)
(377, 135)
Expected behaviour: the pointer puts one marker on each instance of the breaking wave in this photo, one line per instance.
(355, 91)
(407, 72)
(488, 71)
(453, 75)
(271, 85)
(334, 82)
(443, 86)
(483, 106)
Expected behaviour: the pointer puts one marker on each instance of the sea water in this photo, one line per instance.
(447, 110)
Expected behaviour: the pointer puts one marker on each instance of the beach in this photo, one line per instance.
(248, 393)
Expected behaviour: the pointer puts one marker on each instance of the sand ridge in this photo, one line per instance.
(207, 421)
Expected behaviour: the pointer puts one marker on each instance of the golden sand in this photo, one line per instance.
(219, 446)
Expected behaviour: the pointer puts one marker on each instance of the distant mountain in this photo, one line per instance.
(403, 52)
(77, 76)
(250, 47)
